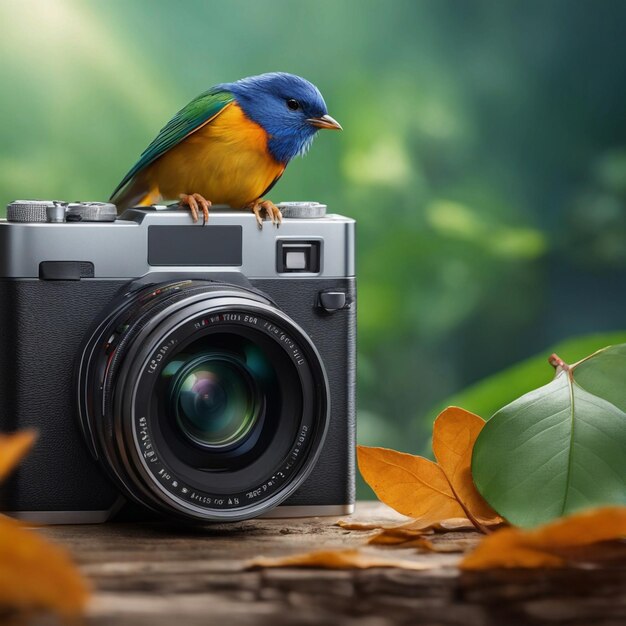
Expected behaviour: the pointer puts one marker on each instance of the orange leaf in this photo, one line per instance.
(387, 538)
(393, 535)
(336, 559)
(549, 545)
(350, 525)
(36, 575)
(454, 434)
(449, 524)
(453, 524)
(411, 485)
(443, 547)
(13, 448)
(419, 526)
(413, 534)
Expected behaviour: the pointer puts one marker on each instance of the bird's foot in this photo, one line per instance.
(271, 210)
(192, 200)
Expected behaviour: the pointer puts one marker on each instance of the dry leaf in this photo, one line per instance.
(392, 538)
(453, 524)
(454, 434)
(13, 448)
(401, 533)
(36, 575)
(336, 559)
(605, 552)
(420, 526)
(347, 524)
(441, 526)
(428, 491)
(396, 534)
(442, 547)
(551, 545)
(409, 533)
(410, 484)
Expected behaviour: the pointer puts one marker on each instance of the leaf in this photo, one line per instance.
(411, 485)
(490, 394)
(454, 433)
(350, 525)
(391, 535)
(396, 534)
(454, 524)
(427, 491)
(336, 559)
(411, 532)
(602, 374)
(446, 546)
(388, 538)
(35, 574)
(418, 526)
(555, 450)
(422, 543)
(551, 545)
(13, 448)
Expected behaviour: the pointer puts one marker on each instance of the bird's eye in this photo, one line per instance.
(294, 105)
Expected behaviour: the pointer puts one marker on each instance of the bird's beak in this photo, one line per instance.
(326, 121)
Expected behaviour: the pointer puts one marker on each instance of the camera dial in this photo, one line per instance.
(302, 210)
(55, 211)
(36, 211)
(91, 212)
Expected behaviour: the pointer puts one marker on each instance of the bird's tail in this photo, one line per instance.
(137, 192)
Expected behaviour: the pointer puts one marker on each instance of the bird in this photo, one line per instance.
(230, 145)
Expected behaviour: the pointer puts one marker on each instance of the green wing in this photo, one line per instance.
(197, 113)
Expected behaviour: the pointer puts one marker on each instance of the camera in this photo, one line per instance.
(193, 372)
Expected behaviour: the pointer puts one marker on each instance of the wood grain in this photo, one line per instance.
(156, 574)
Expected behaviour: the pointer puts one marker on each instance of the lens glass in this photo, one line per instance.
(220, 404)
(215, 400)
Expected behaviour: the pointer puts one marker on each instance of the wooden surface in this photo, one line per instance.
(155, 574)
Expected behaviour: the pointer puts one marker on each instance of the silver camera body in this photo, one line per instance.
(201, 373)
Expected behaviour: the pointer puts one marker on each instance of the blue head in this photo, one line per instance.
(290, 109)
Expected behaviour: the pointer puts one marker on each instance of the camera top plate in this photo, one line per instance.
(163, 239)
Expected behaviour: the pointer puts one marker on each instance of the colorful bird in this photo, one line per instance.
(229, 146)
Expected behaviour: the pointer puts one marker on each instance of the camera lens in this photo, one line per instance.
(214, 401)
(204, 401)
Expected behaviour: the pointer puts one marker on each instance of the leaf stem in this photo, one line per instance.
(558, 363)
(481, 527)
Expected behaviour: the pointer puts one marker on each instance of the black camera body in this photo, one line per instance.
(200, 372)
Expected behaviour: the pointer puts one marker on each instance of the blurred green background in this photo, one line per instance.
(484, 158)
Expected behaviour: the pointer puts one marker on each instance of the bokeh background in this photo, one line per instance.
(484, 158)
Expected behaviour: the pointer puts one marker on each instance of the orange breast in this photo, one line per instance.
(226, 161)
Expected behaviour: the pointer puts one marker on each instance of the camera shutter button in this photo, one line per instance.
(332, 301)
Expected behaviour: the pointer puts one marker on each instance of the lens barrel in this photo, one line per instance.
(203, 400)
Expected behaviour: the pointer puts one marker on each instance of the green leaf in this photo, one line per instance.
(603, 375)
(560, 448)
(488, 395)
